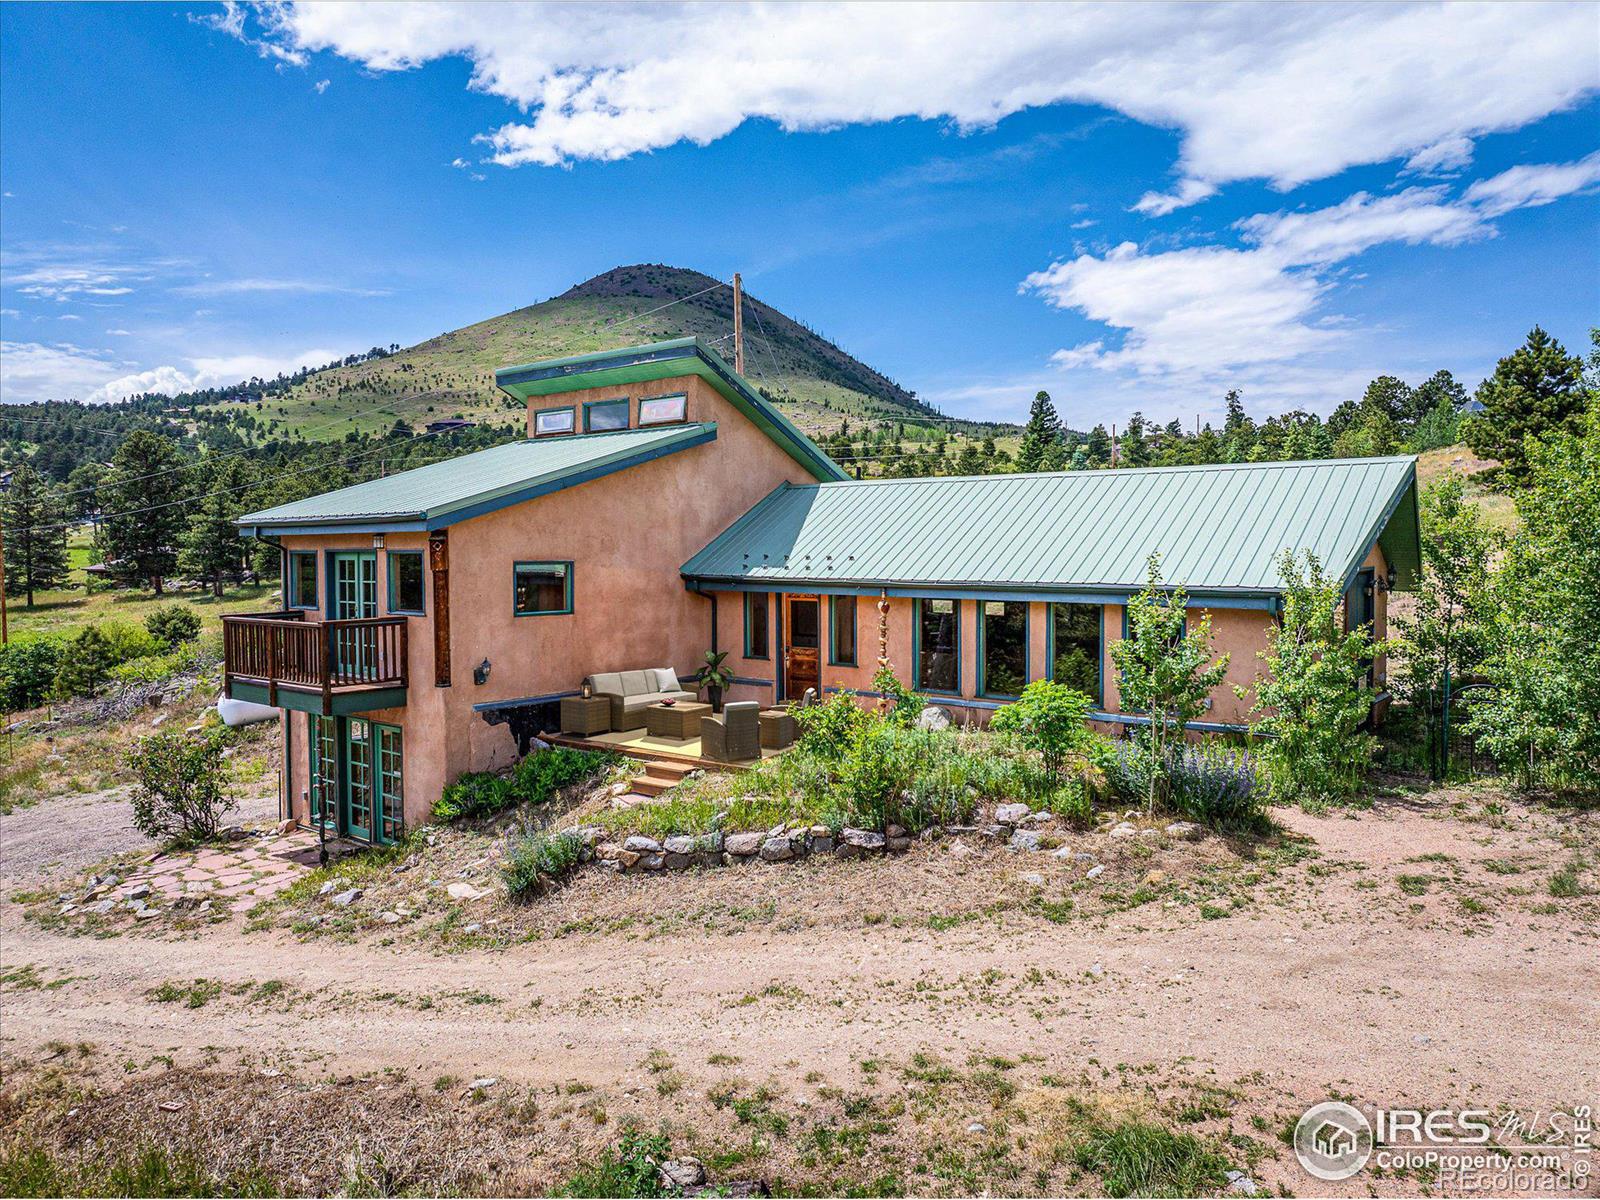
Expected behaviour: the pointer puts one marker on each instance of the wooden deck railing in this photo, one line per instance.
(284, 649)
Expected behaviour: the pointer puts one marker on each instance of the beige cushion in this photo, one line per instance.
(609, 682)
(666, 679)
(636, 682)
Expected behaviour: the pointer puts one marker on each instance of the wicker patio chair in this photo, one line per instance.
(735, 736)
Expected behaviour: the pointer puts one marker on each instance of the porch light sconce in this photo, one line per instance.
(480, 673)
(377, 541)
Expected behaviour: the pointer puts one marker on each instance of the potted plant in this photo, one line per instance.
(714, 677)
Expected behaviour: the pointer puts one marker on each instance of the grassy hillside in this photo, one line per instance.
(814, 381)
(1498, 509)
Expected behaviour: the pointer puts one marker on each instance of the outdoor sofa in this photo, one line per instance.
(631, 692)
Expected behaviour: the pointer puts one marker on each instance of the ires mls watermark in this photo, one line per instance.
(1459, 1150)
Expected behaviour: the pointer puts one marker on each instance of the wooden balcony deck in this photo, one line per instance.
(286, 661)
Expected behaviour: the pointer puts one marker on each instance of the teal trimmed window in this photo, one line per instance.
(605, 416)
(302, 583)
(841, 631)
(663, 410)
(548, 422)
(541, 589)
(1002, 647)
(936, 646)
(406, 582)
(757, 638)
(1076, 650)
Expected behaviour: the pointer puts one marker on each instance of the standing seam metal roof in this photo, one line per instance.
(1217, 528)
(486, 479)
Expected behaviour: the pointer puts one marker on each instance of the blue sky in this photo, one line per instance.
(1133, 208)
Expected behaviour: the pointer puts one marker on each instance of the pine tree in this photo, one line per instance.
(1390, 396)
(141, 523)
(36, 538)
(1537, 390)
(1134, 452)
(1098, 448)
(1041, 432)
(211, 545)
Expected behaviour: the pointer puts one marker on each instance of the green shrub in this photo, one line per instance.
(28, 668)
(631, 1169)
(126, 641)
(173, 624)
(1138, 1158)
(86, 662)
(534, 780)
(1050, 719)
(828, 729)
(152, 669)
(532, 854)
(908, 705)
(182, 786)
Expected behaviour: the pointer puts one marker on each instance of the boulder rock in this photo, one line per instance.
(743, 845)
(677, 862)
(1122, 830)
(138, 891)
(933, 717)
(678, 845)
(1032, 879)
(776, 849)
(326, 889)
(1012, 814)
(1026, 839)
(653, 862)
(1095, 871)
(456, 891)
(389, 918)
(820, 843)
(346, 898)
(683, 1172)
(862, 839)
(897, 845)
(642, 845)
(1187, 830)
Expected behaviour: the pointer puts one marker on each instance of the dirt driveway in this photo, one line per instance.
(1347, 978)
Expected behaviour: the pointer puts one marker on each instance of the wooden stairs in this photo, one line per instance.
(659, 775)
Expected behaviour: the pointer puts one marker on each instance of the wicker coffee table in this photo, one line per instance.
(680, 720)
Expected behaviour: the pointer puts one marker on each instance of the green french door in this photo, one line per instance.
(354, 584)
(324, 773)
(357, 778)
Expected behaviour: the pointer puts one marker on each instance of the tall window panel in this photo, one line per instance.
(1075, 650)
(842, 631)
(1004, 644)
(756, 637)
(938, 657)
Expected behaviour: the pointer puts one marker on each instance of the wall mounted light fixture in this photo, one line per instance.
(480, 673)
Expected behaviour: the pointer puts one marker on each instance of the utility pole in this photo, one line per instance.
(738, 323)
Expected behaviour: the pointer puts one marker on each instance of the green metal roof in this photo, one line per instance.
(443, 493)
(664, 360)
(1218, 529)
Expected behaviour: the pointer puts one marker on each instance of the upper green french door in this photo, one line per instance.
(353, 583)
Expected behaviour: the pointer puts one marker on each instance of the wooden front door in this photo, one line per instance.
(802, 635)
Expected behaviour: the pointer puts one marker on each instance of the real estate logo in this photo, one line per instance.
(1333, 1141)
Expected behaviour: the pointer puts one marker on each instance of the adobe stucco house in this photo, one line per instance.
(659, 506)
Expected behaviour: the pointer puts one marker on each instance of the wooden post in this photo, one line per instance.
(439, 562)
(738, 323)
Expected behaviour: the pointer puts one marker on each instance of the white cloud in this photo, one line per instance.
(1194, 316)
(236, 287)
(321, 86)
(35, 371)
(119, 333)
(1188, 191)
(1255, 91)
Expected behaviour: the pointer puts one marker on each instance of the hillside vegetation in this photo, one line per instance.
(814, 381)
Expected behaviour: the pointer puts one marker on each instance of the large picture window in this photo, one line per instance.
(755, 625)
(302, 583)
(842, 631)
(1003, 647)
(605, 416)
(405, 581)
(938, 645)
(542, 588)
(1075, 650)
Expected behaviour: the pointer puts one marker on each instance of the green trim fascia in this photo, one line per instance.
(344, 703)
(1264, 601)
(495, 499)
(665, 360)
(1027, 649)
(543, 562)
(388, 577)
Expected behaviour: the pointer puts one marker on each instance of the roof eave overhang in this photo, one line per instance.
(1057, 593)
(663, 360)
(255, 525)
